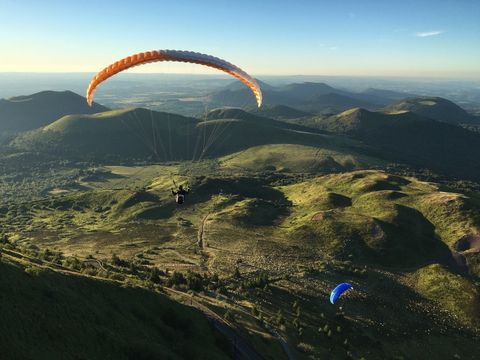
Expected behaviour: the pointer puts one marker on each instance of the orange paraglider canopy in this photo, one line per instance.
(173, 55)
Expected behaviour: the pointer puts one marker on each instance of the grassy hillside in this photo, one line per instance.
(29, 112)
(50, 315)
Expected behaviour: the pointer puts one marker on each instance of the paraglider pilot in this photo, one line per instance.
(180, 194)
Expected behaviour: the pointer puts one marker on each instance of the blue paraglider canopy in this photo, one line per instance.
(338, 291)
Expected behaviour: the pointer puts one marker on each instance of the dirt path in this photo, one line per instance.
(201, 231)
(201, 241)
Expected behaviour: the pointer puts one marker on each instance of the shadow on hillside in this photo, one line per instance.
(245, 187)
(138, 197)
(51, 313)
(407, 240)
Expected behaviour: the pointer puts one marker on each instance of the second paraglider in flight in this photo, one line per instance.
(338, 291)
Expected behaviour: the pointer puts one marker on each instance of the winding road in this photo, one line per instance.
(242, 348)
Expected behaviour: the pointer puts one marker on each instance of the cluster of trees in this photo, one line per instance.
(260, 280)
(193, 281)
(184, 281)
(297, 311)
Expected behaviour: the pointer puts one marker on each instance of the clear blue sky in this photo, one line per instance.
(349, 37)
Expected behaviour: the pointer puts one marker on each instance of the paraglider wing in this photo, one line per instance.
(173, 55)
(338, 291)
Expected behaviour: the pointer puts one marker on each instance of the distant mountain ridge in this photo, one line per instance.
(307, 90)
(389, 95)
(30, 112)
(306, 96)
(238, 85)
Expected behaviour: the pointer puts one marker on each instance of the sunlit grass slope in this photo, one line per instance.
(297, 158)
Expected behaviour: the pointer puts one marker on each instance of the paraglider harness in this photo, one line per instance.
(180, 193)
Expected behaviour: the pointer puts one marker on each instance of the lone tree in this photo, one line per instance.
(237, 274)
(154, 275)
(280, 319)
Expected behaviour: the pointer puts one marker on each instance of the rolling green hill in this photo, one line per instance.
(435, 108)
(412, 139)
(298, 158)
(144, 134)
(141, 133)
(118, 133)
(385, 206)
(29, 112)
(353, 121)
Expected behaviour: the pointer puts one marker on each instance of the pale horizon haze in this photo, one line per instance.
(349, 38)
